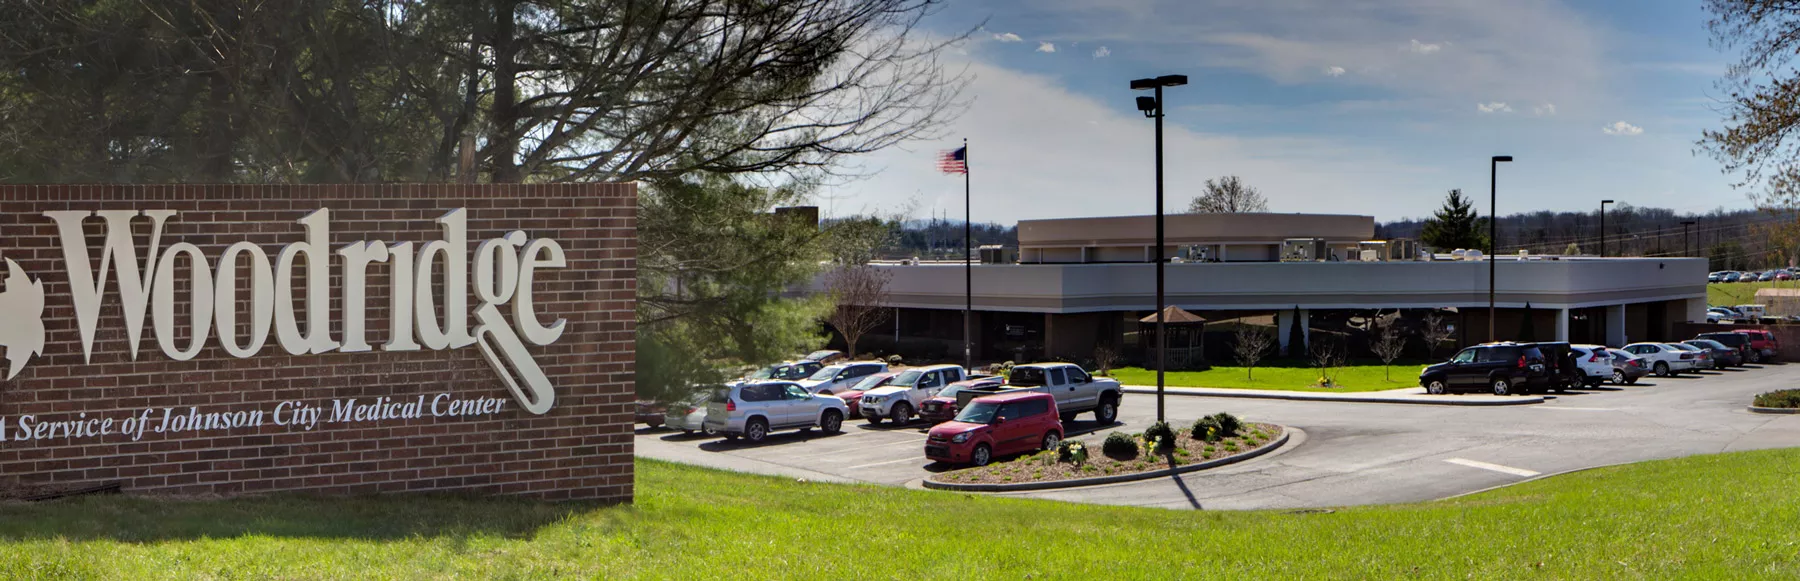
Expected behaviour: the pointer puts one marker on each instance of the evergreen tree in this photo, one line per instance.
(1455, 225)
(1296, 336)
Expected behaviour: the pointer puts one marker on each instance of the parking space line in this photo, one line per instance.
(1573, 409)
(842, 451)
(1521, 472)
(912, 459)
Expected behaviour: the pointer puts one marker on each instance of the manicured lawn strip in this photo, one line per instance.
(1360, 376)
(1726, 294)
(1727, 516)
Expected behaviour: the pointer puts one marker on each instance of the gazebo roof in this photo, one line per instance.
(1175, 315)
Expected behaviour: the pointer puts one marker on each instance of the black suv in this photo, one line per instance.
(1502, 368)
(1734, 340)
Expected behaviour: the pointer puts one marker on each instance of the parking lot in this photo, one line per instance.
(1346, 453)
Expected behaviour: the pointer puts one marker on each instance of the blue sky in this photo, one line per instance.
(1347, 106)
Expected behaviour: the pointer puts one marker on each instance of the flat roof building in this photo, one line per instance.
(1083, 283)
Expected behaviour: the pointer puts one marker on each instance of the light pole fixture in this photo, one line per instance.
(1603, 204)
(1493, 233)
(1152, 107)
(1685, 249)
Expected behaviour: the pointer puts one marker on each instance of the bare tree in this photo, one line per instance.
(1328, 356)
(857, 294)
(1104, 360)
(1389, 343)
(1228, 195)
(1435, 333)
(1253, 343)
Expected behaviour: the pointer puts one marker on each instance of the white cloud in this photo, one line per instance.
(1007, 37)
(1334, 71)
(1423, 48)
(1102, 52)
(1622, 128)
(1071, 154)
(1046, 47)
(1544, 110)
(1493, 107)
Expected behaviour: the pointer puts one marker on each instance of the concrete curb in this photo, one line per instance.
(1270, 446)
(1450, 400)
(1776, 411)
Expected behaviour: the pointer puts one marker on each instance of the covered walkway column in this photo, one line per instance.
(1562, 325)
(1615, 326)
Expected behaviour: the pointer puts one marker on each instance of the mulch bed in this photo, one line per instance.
(1043, 467)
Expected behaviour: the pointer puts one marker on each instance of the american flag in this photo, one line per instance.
(954, 160)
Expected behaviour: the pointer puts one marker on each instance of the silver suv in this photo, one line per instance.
(752, 410)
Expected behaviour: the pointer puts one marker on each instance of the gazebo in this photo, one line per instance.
(1186, 338)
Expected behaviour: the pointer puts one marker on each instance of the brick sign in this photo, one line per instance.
(331, 339)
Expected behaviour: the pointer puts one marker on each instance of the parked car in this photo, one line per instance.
(1702, 356)
(853, 396)
(943, 407)
(1713, 276)
(1664, 360)
(832, 379)
(1075, 390)
(1784, 275)
(1730, 277)
(1723, 355)
(1763, 346)
(689, 416)
(1561, 370)
(753, 409)
(1502, 368)
(904, 394)
(1734, 340)
(787, 371)
(649, 413)
(1594, 362)
(1721, 315)
(997, 425)
(1768, 276)
(1627, 368)
(824, 356)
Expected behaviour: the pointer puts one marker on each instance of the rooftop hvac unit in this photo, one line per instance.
(1196, 253)
(1304, 250)
(997, 254)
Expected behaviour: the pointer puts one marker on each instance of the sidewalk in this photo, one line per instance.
(1411, 395)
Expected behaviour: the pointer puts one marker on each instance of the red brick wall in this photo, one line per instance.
(580, 449)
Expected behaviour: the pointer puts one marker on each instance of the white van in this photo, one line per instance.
(1752, 312)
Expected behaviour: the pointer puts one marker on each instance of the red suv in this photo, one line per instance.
(997, 425)
(1762, 345)
(942, 407)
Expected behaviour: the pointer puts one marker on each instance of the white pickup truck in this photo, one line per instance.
(1075, 391)
(901, 396)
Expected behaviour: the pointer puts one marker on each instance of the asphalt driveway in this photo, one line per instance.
(1346, 453)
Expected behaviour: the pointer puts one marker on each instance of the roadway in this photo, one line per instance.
(1344, 453)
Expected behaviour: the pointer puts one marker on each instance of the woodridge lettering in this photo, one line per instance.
(504, 271)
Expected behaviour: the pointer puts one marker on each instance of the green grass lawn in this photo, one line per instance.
(1725, 294)
(1359, 376)
(1729, 516)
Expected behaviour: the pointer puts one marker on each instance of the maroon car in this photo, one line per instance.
(997, 425)
(854, 395)
(942, 407)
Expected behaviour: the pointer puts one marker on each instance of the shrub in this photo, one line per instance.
(895, 359)
(1120, 445)
(1228, 424)
(1159, 438)
(1207, 429)
(1072, 452)
(1786, 398)
(1231, 447)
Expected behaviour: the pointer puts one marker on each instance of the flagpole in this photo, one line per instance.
(968, 270)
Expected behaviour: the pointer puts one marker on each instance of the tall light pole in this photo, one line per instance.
(1603, 204)
(1685, 249)
(1152, 107)
(1493, 233)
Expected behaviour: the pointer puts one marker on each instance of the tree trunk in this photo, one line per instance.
(504, 142)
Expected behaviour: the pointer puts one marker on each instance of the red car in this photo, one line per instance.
(1763, 346)
(942, 407)
(854, 395)
(997, 425)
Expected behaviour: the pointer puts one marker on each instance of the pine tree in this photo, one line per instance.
(1455, 225)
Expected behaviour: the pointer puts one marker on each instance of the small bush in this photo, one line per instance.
(1207, 429)
(1159, 438)
(1228, 424)
(1072, 452)
(1231, 447)
(1120, 446)
(1786, 398)
(895, 359)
